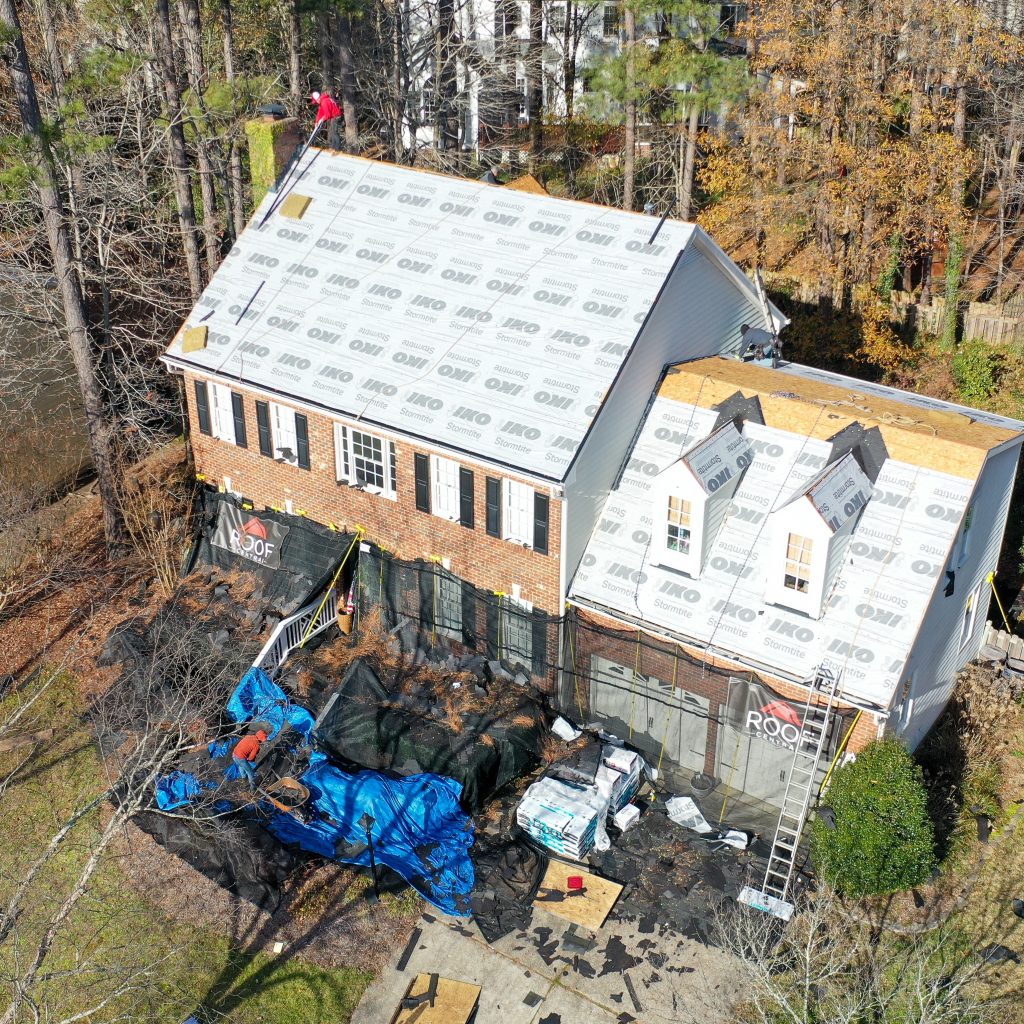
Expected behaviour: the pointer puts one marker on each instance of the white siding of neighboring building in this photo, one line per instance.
(937, 655)
(699, 313)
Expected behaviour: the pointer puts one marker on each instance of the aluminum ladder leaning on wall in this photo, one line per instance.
(796, 802)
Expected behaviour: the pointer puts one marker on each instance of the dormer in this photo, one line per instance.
(808, 535)
(692, 497)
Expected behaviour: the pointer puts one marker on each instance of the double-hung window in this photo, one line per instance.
(448, 605)
(970, 615)
(518, 513)
(518, 518)
(221, 413)
(798, 563)
(516, 639)
(612, 20)
(678, 537)
(445, 484)
(223, 418)
(365, 460)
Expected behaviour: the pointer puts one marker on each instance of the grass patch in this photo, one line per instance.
(113, 938)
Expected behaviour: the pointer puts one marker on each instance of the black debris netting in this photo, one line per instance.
(309, 555)
(508, 874)
(237, 854)
(405, 725)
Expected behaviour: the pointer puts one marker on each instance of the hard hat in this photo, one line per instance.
(314, 97)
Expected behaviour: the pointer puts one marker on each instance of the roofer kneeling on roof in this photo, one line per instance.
(247, 749)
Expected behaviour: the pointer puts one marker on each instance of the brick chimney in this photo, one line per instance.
(273, 140)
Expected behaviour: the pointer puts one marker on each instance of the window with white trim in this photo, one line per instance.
(798, 563)
(678, 536)
(365, 460)
(286, 443)
(612, 20)
(448, 605)
(965, 530)
(970, 615)
(444, 483)
(222, 418)
(516, 640)
(518, 512)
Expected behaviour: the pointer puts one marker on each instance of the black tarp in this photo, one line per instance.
(368, 725)
(508, 874)
(237, 854)
(301, 564)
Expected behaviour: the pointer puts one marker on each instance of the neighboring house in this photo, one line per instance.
(454, 366)
(774, 523)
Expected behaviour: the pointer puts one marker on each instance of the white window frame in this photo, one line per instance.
(222, 413)
(802, 568)
(964, 548)
(283, 434)
(517, 512)
(520, 612)
(681, 520)
(445, 495)
(349, 443)
(970, 619)
(448, 605)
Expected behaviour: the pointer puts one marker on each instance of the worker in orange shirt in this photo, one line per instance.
(244, 755)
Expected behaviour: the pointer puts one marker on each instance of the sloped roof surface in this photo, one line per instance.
(488, 320)
(717, 456)
(895, 558)
(838, 491)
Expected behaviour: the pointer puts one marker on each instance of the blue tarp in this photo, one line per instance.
(256, 698)
(419, 829)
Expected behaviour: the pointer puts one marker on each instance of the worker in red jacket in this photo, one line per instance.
(247, 749)
(327, 110)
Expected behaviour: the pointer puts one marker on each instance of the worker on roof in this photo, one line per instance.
(247, 749)
(327, 110)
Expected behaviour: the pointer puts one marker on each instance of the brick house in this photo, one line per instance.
(456, 367)
(774, 522)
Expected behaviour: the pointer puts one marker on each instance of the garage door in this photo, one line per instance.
(755, 766)
(659, 714)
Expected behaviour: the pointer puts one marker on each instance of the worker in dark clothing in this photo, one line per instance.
(327, 110)
(247, 749)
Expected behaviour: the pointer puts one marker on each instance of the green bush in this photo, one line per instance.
(883, 840)
(974, 370)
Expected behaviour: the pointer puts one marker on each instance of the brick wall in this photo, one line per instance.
(611, 640)
(396, 525)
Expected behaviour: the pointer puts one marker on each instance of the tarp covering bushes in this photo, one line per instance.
(293, 557)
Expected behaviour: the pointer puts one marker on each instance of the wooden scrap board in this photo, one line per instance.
(591, 908)
(454, 1004)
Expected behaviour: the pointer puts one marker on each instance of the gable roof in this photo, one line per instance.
(482, 319)
(897, 552)
(837, 492)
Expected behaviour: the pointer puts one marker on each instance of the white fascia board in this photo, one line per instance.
(550, 486)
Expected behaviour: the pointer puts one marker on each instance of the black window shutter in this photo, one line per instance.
(302, 440)
(203, 408)
(468, 614)
(263, 426)
(540, 522)
(425, 584)
(540, 644)
(493, 507)
(238, 411)
(466, 497)
(493, 621)
(421, 464)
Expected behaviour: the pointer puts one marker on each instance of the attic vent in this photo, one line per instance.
(295, 206)
(194, 339)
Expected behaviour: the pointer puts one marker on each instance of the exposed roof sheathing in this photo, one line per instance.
(487, 320)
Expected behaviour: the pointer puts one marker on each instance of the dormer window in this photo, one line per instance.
(798, 563)
(678, 538)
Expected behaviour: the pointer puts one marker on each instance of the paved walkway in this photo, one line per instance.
(557, 973)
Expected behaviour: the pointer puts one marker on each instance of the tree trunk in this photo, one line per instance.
(447, 84)
(44, 15)
(98, 426)
(324, 43)
(179, 155)
(569, 59)
(689, 162)
(192, 44)
(535, 81)
(235, 152)
(347, 79)
(629, 155)
(294, 33)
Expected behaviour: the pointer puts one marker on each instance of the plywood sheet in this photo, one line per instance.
(194, 339)
(454, 1003)
(295, 206)
(589, 909)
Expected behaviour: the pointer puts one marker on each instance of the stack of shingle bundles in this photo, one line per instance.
(618, 776)
(564, 818)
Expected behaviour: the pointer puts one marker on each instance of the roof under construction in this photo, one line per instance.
(922, 485)
(471, 315)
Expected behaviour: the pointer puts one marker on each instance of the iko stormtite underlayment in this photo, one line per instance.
(485, 319)
(892, 561)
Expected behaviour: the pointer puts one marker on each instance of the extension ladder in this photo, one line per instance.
(796, 802)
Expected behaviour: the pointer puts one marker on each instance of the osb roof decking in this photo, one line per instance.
(796, 399)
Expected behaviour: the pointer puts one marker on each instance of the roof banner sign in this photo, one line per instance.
(258, 540)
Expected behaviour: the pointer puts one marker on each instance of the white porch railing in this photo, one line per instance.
(290, 633)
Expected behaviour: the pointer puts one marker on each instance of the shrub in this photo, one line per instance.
(883, 840)
(975, 371)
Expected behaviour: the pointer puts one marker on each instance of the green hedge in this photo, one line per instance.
(883, 840)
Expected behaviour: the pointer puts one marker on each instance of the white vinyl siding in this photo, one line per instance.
(517, 520)
(286, 445)
(222, 417)
(365, 460)
(444, 476)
